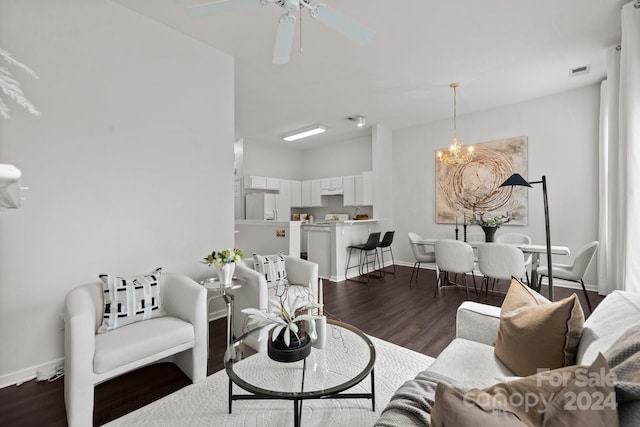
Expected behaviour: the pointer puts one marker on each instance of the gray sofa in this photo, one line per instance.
(469, 360)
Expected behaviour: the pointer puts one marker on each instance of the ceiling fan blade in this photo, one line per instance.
(342, 24)
(221, 6)
(284, 39)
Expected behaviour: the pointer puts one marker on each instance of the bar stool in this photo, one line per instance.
(385, 245)
(367, 250)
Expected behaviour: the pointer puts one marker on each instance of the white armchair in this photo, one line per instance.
(91, 358)
(255, 294)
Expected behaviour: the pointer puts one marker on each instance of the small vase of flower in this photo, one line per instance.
(489, 225)
(225, 262)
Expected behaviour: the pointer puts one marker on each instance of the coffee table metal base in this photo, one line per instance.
(297, 402)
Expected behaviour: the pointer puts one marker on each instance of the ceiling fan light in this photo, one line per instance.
(305, 132)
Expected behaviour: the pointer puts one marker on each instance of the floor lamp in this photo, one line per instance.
(517, 179)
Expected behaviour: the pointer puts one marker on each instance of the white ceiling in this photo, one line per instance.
(501, 52)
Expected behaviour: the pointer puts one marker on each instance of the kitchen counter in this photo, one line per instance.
(327, 243)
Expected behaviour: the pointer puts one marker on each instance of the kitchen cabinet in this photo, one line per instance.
(316, 193)
(255, 182)
(272, 184)
(349, 190)
(311, 193)
(283, 201)
(331, 186)
(367, 188)
(296, 194)
(364, 189)
(305, 193)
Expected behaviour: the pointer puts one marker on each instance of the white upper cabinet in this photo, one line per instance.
(367, 188)
(255, 182)
(305, 193)
(273, 184)
(283, 201)
(349, 190)
(331, 186)
(316, 193)
(296, 194)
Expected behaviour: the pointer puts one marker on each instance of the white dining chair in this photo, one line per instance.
(421, 255)
(454, 256)
(573, 272)
(499, 261)
(518, 238)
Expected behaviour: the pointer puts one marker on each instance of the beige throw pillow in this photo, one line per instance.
(536, 333)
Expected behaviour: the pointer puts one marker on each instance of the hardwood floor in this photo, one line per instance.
(389, 309)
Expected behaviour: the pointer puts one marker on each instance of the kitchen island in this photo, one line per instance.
(327, 244)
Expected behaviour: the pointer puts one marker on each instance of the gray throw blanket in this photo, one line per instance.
(624, 361)
(411, 404)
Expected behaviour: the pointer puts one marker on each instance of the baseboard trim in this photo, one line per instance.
(27, 374)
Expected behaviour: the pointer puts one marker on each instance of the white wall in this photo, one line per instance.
(271, 160)
(349, 157)
(130, 165)
(562, 132)
(382, 156)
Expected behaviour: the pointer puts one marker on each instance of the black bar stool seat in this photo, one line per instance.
(385, 246)
(367, 251)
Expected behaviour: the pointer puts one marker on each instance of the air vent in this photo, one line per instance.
(578, 71)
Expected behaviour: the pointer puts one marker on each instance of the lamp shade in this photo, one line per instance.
(515, 179)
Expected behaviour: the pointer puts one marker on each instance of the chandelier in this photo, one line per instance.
(455, 156)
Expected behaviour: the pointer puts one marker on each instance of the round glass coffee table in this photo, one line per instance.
(347, 358)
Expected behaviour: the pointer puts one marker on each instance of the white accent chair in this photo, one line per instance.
(573, 272)
(499, 261)
(454, 256)
(91, 358)
(255, 293)
(421, 255)
(518, 238)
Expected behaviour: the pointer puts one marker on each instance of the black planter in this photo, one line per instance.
(489, 233)
(297, 349)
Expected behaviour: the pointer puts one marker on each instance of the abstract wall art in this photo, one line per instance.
(474, 187)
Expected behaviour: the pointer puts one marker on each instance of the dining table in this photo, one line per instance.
(534, 250)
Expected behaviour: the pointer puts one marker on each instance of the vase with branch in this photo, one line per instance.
(489, 225)
(288, 321)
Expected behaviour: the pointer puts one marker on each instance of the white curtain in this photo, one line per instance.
(619, 230)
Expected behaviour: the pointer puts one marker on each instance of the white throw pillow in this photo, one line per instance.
(130, 300)
(272, 267)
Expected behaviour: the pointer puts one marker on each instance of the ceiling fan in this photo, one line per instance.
(284, 38)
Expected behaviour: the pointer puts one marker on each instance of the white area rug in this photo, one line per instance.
(206, 403)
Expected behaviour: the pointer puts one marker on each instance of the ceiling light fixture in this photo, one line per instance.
(454, 156)
(360, 120)
(303, 133)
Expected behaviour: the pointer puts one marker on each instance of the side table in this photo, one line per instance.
(216, 290)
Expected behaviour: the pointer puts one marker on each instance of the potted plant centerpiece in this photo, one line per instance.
(225, 262)
(288, 322)
(489, 225)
